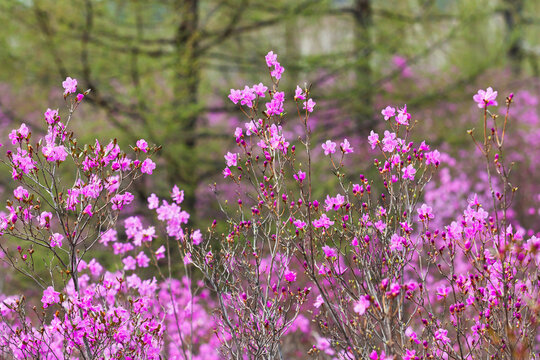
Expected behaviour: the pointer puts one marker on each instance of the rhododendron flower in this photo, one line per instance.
(329, 252)
(346, 147)
(409, 172)
(56, 240)
(441, 335)
(177, 195)
(226, 172)
(290, 276)
(329, 147)
(309, 105)
(425, 212)
(51, 116)
(388, 112)
(300, 176)
(50, 297)
(142, 145)
(361, 305)
(410, 355)
(69, 85)
(318, 302)
(148, 166)
(129, 263)
(142, 260)
(299, 93)
(324, 221)
(260, 89)
(271, 59)
(153, 201)
(442, 292)
(231, 159)
(160, 253)
(486, 98)
(403, 116)
(300, 224)
(412, 335)
(196, 237)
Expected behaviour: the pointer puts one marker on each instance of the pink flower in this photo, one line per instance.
(299, 93)
(148, 166)
(69, 85)
(50, 297)
(142, 145)
(329, 147)
(403, 117)
(160, 253)
(153, 201)
(260, 89)
(486, 98)
(425, 212)
(346, 147)
(142, 260)
(361, 305)
(300, 176)
(51, 116)
(442, 292)
(177, 195)
(388, 112)
(309, 105)
(318, 302)
(409, 355)
(231, 159)
(373, 139)
(226, 172)
(80, 97)
(290, 276)
(271, 59)
(324, 221)
(129, 263)
(441, 335)
(409, 172)
(56, 239)
(329, 252)
(197, 237)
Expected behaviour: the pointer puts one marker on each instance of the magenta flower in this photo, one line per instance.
(346, 147)
(410, 355)
(142, 145)
(441, 335)
(231, 159)
(148, 166)
(69, 85)
(259, 89)
(290, 276)
(388, 112)
(324, 222)
(50, 297)
(299, 93)
(361, 305)
(271, 59)
(301, 176)
(329, 252)
(153, 201)
(329, 147)
(486, 98)
(373, 139)
(129, 263)
(409, 172)
(226, 172)
(197, 237)
(56, 239)
(318, 302)
(425, 212)
(309, 105)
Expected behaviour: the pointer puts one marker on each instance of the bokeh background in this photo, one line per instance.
(162, 70)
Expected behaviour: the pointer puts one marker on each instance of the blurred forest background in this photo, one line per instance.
(162, 70)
